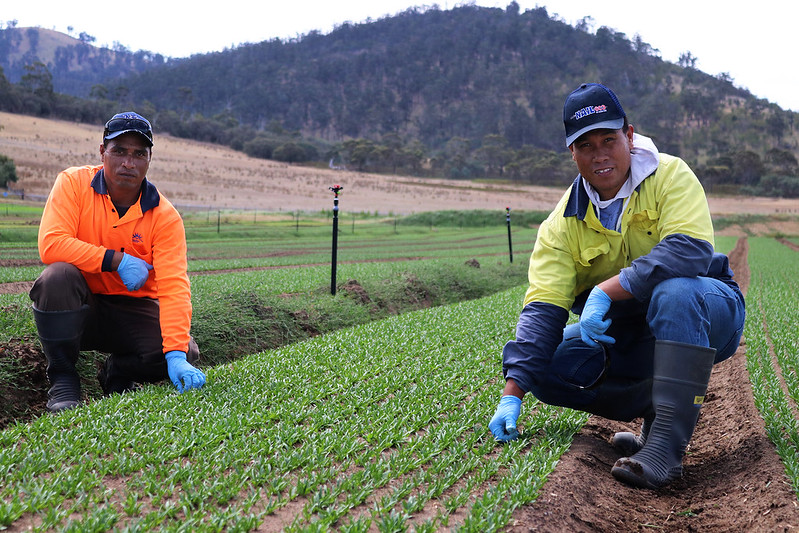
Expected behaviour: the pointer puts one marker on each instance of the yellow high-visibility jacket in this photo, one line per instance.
(574, 252)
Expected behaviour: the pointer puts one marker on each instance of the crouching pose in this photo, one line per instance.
(630, 249)
(116, 279)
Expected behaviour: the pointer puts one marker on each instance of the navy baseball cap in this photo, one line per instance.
(591, 106)
(128, 122)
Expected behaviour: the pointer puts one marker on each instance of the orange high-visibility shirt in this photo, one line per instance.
(81, 226)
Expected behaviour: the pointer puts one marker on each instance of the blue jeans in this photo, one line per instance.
(615, 381)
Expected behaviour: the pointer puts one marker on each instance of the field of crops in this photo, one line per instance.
(380, 426)
(773, 346)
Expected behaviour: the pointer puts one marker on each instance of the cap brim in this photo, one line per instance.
(122, 132)
(606, 125)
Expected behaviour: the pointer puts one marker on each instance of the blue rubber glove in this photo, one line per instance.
(183, 375)
(503, 424)
(593, 323)
(133, 271)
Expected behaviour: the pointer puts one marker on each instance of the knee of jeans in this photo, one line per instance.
(193, 355)
(675, 294)
(60, 272)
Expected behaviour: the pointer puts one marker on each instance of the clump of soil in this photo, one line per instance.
(26, 391)
(733, 478)
(356, 291)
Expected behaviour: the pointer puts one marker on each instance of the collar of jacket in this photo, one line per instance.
(578, 202)
(644, 161)
(149, 194)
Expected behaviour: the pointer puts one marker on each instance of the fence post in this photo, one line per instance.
(335, 189)
(510, 244)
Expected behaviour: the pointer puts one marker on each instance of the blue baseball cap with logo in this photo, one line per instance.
(128, 122)
(591, 106)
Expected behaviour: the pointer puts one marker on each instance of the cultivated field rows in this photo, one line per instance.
(382, 425)
(773, 347)
(377, 427)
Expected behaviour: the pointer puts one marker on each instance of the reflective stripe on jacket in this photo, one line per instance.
(81, 226)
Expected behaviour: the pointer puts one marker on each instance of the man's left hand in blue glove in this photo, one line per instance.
(183, 375)
(593, 323)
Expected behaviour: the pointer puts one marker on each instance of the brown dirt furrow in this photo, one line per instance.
(733, 478)
(789, 244)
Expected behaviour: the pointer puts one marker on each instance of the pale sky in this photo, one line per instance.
(753, 42)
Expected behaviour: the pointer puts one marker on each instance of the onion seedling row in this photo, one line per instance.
(265, 252)
(772, 349)
(377, 426)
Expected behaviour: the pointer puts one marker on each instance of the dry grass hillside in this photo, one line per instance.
(205, 175)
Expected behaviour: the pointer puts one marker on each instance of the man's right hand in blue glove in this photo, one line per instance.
(503, 424)
(183, 375)
(133, 271)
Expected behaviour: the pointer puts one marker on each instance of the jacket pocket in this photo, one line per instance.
(591, 251)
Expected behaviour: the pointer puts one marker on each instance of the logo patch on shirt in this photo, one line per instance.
(138, 238)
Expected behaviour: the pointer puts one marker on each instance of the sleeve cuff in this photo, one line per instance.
(625, 283)
(107, 260)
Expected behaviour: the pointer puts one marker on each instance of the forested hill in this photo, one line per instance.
(465, 92)
(468, 72)
(75, 63)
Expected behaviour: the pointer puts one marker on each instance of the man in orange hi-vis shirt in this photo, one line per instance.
(116, 280)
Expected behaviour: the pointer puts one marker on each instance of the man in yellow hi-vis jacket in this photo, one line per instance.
(630, 249)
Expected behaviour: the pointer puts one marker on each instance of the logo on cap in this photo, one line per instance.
(590, 110)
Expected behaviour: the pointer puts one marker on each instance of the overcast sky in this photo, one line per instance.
(754, 42)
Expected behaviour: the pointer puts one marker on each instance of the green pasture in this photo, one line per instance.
(251, 240)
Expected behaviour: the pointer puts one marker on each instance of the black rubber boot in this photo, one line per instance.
(629, 443)
(112, 383)
(682, 372)
(59, 333)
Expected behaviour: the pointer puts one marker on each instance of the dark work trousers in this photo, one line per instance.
(125, 327)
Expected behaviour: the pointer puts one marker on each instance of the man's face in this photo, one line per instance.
(603, 159)
(125, 163)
